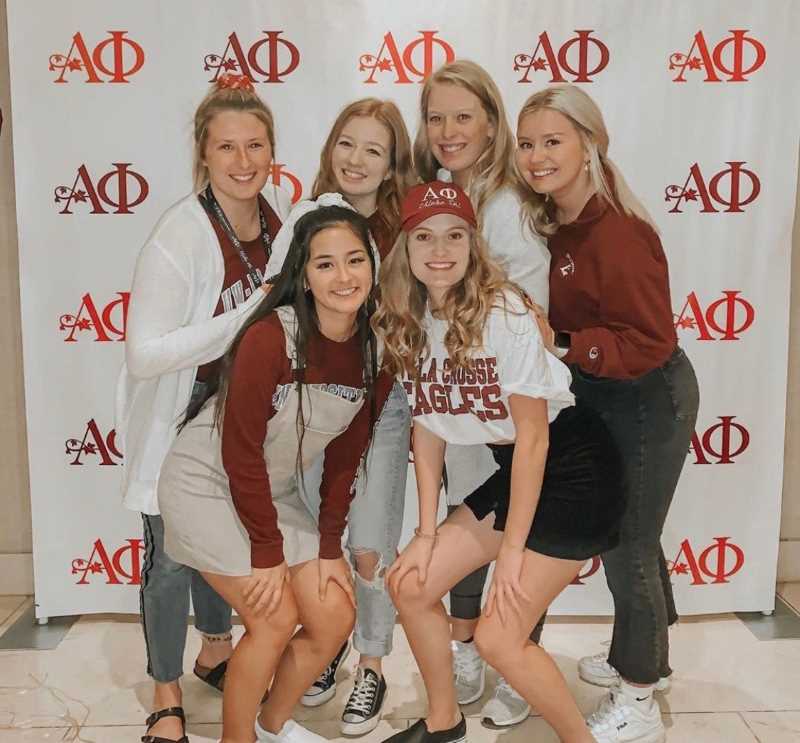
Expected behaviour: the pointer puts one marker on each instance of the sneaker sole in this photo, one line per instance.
(355, 729)
(488, 722)
(475, 697)
(662, 685)
(320, 699)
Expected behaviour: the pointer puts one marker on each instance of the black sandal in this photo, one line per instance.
(156, 716)
(214, 677)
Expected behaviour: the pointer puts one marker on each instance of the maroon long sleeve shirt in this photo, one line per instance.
(260, 370)
(609, 288)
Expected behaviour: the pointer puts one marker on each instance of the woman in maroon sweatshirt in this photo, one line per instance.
(299, 381)
(612, 318)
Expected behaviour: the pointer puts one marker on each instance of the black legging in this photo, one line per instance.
(465, 597)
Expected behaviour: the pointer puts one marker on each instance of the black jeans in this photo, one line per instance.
(651, 419)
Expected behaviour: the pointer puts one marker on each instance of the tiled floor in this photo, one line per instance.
(729, 687)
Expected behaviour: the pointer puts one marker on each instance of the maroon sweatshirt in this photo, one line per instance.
(384, 236)
(609, 288)
(237, 285)
(260, 370)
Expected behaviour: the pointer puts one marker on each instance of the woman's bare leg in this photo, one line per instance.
(526, 666)
(254, 658)
(463, 544)
(325, 626)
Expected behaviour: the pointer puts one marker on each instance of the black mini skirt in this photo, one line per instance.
(581, 502)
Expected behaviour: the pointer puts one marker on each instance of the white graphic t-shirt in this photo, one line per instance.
(470, 406)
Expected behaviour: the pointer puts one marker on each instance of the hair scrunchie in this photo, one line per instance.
(282, 241)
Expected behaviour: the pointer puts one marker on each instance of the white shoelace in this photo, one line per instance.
(503, 687)
(363, 697)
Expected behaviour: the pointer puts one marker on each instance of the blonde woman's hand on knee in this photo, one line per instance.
(264, 589)
(416, 556)
(336, 570)
(506, 590)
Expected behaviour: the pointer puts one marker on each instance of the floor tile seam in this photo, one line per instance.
(749, 728)
(14, 615)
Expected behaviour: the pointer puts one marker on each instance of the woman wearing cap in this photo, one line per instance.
(367, 159)
(299, 382)
(477, 372)
(611, 307)
(197, 279)
(464, 136)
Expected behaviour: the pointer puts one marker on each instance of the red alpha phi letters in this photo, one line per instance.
(121, 567)
(94, 444)
(287, 180)
(104, 322)
(720, 443)
(724, 319)
(715, 564)
(730, 60)
(113, 60)
(580, 57)
(417, 60)
(119, 190)
(729, 190)
(267, 60)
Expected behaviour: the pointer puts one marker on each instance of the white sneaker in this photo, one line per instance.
(469, 671)
(505, 708)
(595, 669)
(291, 732)
(620, 720)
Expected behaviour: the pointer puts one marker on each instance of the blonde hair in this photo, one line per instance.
(392, 190)
(399, 320)
(217, 100)
(606, 179)
(494, 169)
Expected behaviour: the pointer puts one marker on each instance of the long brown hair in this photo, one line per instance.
(399, 320)
(393, 189)
(289, 289)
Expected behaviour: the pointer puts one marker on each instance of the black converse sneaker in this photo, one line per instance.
(362, 712)
(418, 733)
(324, 688)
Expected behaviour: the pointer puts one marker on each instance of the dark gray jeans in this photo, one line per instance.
(651, 419)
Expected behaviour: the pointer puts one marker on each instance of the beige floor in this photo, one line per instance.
(729, 687)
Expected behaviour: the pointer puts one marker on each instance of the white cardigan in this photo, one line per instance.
(171, 331)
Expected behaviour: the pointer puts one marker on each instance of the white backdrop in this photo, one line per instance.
(703, 106)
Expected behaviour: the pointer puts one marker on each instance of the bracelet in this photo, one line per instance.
(422, 535)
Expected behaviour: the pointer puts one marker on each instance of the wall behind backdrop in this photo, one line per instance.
(102, 101)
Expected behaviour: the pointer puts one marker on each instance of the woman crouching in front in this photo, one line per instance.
(477, 371)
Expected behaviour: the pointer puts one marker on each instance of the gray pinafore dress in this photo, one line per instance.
(201, 526)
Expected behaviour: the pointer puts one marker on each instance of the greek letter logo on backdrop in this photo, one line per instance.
(94, 444)
(122, 567)
(115, 59)
(729, 190)
(286, 180)
(119, 191)
(724, 319)
(267, 60)
(722, 442)
(715, 564)
(587, 571)
(418, 59)
(730, 60)
(106, 322)
(581, 56)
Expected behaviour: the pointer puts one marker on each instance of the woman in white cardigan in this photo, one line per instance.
(197, 279)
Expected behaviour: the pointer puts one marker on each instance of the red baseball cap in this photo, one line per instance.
(436, 197)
